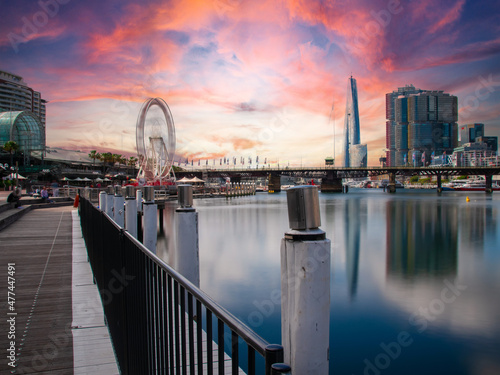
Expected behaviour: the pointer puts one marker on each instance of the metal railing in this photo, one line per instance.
(159, 322)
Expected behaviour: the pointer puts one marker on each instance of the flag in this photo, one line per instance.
(423, 157)
(257, 160)
(404, 159)
(198, 161)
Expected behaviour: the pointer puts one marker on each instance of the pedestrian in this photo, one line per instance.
(45, 195)
(55, 188)
(15, 197)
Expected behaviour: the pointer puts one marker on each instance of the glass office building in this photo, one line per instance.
(352, 133)
(24, 128)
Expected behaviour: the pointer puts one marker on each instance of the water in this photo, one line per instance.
(414, 275)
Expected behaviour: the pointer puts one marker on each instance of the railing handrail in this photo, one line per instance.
(248, 335)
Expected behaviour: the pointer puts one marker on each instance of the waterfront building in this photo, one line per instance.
(16, 95)
(421, 124)
(469, 132)
(396, 127)
(475, 148)
(24, 128)
(352, 134)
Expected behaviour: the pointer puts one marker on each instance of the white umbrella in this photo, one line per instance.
(98, 179)
(86, 179)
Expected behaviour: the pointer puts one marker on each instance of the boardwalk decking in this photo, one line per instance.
(40, 245)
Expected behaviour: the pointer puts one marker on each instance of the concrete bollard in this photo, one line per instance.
(150, 212)
(186, 258)
(110, 201)
(305, 285)
(102, 200)
(119, 206)
(138, 197)
(130, 211)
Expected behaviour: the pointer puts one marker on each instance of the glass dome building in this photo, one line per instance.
(24, 128)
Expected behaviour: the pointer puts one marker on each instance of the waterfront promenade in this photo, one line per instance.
(59, 324)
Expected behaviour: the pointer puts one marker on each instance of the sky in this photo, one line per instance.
(248, 78)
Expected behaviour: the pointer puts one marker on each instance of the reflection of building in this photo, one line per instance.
(355, 221)
(421, 239)
(351, 128)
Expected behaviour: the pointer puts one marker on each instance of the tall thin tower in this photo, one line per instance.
(351, 121)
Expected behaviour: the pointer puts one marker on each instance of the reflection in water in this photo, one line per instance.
(355, 222)
(428, 239)
(422, 239)
(475, 222)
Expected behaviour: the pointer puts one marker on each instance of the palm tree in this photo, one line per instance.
(107, 157)
(11, 147)
(94, 155)
(131, 162)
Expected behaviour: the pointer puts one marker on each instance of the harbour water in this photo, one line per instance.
(414, 275)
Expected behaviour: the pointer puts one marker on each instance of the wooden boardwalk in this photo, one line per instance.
(40, 245)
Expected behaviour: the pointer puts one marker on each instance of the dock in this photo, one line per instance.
(59, 325)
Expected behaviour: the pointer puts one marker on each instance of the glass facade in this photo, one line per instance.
(24, 128)
(352, 134)
(359, 155)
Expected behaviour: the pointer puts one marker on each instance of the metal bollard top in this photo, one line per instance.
(130, 191)
(149, 193)
(303, 207)
(110, 190)
(185, 195)
(118, 190)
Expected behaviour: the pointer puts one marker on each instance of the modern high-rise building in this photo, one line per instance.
(351, 129)
(17, 96)
(432, 126)
(396, 127)
(420, 124)
(469, 132)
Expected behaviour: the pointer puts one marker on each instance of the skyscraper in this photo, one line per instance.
(432, 126)
(395, 133)
(16, 95)
(351, 129)
(420, 124)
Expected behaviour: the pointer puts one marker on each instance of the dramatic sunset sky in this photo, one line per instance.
(247, 78)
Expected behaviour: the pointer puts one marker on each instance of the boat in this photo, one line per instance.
(478, 185)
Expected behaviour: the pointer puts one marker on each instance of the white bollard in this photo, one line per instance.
(305, 285)
(130, 211)
(138, 197)
(102, 200)
(150, 214)
(119, 206)
(110, 201)
(186, 258)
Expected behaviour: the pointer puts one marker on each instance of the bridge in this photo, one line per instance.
(331, 177)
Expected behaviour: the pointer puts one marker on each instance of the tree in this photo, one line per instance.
(132, 161)
(94, 155)
(11, 147)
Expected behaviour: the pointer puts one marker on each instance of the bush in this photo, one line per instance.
(413, 179)
(425, 180)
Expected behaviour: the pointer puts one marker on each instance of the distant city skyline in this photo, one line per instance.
(247, 79)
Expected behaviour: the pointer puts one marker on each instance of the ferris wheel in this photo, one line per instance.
(155, 138)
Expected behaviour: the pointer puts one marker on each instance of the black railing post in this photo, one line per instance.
(280, 368)
(274, 354)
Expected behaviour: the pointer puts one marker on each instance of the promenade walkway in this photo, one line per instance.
(59, 325)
